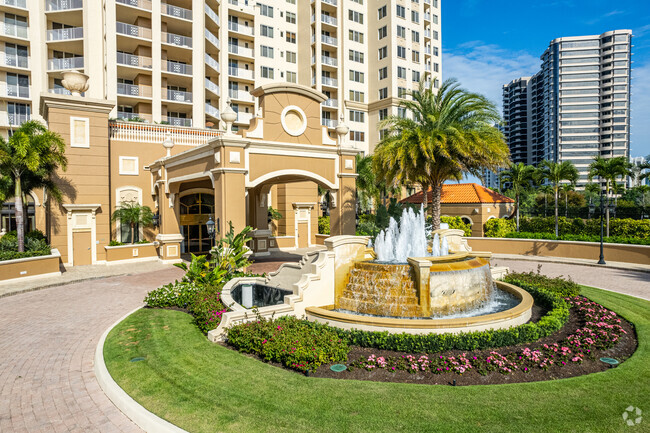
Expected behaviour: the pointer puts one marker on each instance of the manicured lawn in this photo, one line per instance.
(203, 387)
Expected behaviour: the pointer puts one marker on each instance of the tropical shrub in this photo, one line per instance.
(207, 308)
(230, 251)
(558, 286)
(199, 272)
(498, 227)
(324, 225)
(35, 245)
(296, 343)
(457, 223)
(179, 294)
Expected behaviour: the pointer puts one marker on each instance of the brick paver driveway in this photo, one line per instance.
(47, 345)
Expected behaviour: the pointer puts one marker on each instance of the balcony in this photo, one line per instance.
(241, 95)
(133, 31)
(212, 62)
(330, 2)
(329, 61)
(63, 64)
(246, 74)
(63, 5)
(176, 67)
(134, 61)
(60, 91)
(427, 16)
(245, 6)
(177, 40)
(330, 123)
(176, 11)
(212, 38)
(331, 82)
(13, 30)
(176, 95)
(240, 51)
(427, 33)
(177, 121)
(212, 14)
(21, 4)
(211, 111)
(328, 20)
(332, 103)
(244, 118)
(212, 87)
(329, 40)
(244, 30)
(13, 91)
(134, 90)
(14, 61)
(54, 35)
(142, 4)
(11, 119)
(134, 117)
(147, 133)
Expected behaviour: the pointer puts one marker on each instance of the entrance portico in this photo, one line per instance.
(281, 158)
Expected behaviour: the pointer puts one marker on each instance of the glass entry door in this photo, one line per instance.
(195, 211)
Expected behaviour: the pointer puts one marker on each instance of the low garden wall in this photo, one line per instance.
(131, 253)
(627, 253)
(320, 239)
(39, 266)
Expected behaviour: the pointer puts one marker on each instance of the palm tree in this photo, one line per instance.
(556, 173)
(448, 134)
(565, 188)
(366, 183)
(133, 214)
(546, 190)
(609, 170)
(30, 158)
(520, 177)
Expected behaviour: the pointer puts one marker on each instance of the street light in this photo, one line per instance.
(601, 261)
(210, 225)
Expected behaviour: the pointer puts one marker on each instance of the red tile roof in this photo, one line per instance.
(461, 193)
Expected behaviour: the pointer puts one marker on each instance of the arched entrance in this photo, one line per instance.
(195, 210)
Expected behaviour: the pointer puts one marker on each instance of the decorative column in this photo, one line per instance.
(344, 206)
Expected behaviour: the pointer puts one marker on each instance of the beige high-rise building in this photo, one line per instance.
(178, 62)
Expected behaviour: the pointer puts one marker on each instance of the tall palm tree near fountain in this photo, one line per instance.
(609, 170)
(447, 133)
(519, 177)
(556, 173)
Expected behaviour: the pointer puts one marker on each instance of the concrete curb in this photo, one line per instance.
(144, 419)
(569, 261)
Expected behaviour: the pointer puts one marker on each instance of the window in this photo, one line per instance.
(383, 72)
(436, 52)
(401, 72)
(434, 18)
(18, 85)
(357, 136)
(383, 52)
(401, 112)
(356, 96)
(293, 2)
(434, 34)
(383, 93)
(436, 67)
(291, 17)
(290, 37)
(266, 31)
(16, 55)
(357, 116)
(265, 10)
(415, 56)
(128, 165)
(415, 36)
(356, 36)
(266, 51)
(381, 12)
(355, 16)
(401, 32)
(401, 11)
(267, 72)
(416, 76)
(401, 92)
(18, 113)
(356, 76)
(401, 52)
(383, 32)
(291, 77)
(383, 113)
(356, 56)
(358, 1)
(291, 57)
(415, 16)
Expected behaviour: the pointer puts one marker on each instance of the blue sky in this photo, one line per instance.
(488, 43)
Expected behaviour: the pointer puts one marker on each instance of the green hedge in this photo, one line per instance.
(324, 225)
(457, 223)
(498, 227)
(581, 238)
(35, 245)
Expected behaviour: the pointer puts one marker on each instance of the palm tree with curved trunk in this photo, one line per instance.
(556, 173)
(447, 134)
(520, 177)
(29, 159)
(609, 170)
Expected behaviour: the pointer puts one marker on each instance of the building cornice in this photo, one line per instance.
(76, 103)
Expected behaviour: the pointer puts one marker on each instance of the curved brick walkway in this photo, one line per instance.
(47, 344)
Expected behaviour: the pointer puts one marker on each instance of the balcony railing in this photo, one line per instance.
(328, 20)
(60, 91)
(242, 51)
(241, 72)
(176, 11)
(178, 40)
(236, 27)
(14, 3)
(212, 14)
(176, 95)
(212, 62)
(134, 90)
(63, 5)
(328, 40)
(331, 61)
(176, 67)
(331, 2)
(14, 30)
(16, 91)
(177, 121)
(243, 5)
(211, 111)
(142, 4)
(211, 86)
(133, 60)
(14, 61)
(146, 133)
(18, 119)
(330, 123)
(241, 95)
(131, 30)
(67, 63)
(65, 34)
(212, 38)
(327, 81)
(331, 103)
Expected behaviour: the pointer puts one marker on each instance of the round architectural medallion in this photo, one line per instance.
(294, 120)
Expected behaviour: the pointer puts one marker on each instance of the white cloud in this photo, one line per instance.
(485, 68)
(640, 103)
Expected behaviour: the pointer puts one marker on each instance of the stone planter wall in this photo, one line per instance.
(131, 253)
(31, 267)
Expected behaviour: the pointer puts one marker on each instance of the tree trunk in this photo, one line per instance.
(435, 205)
(425, 201)
(18, 205)
(607, 209)
(566, 204)
(557, 193)
(132, 233)
(517, 204)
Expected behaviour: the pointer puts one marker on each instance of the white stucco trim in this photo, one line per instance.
(303, 116)
(291, 172)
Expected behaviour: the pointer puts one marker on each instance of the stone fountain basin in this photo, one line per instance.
(519, 314)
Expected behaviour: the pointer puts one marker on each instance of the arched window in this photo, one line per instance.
(467, 220)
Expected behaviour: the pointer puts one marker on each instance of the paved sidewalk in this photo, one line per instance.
(80, 273)
(633, 283)
(47, 344)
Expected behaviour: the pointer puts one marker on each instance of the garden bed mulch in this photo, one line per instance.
(623, 349)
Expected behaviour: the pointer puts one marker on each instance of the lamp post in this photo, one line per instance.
(601, 260)
(210, 225)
